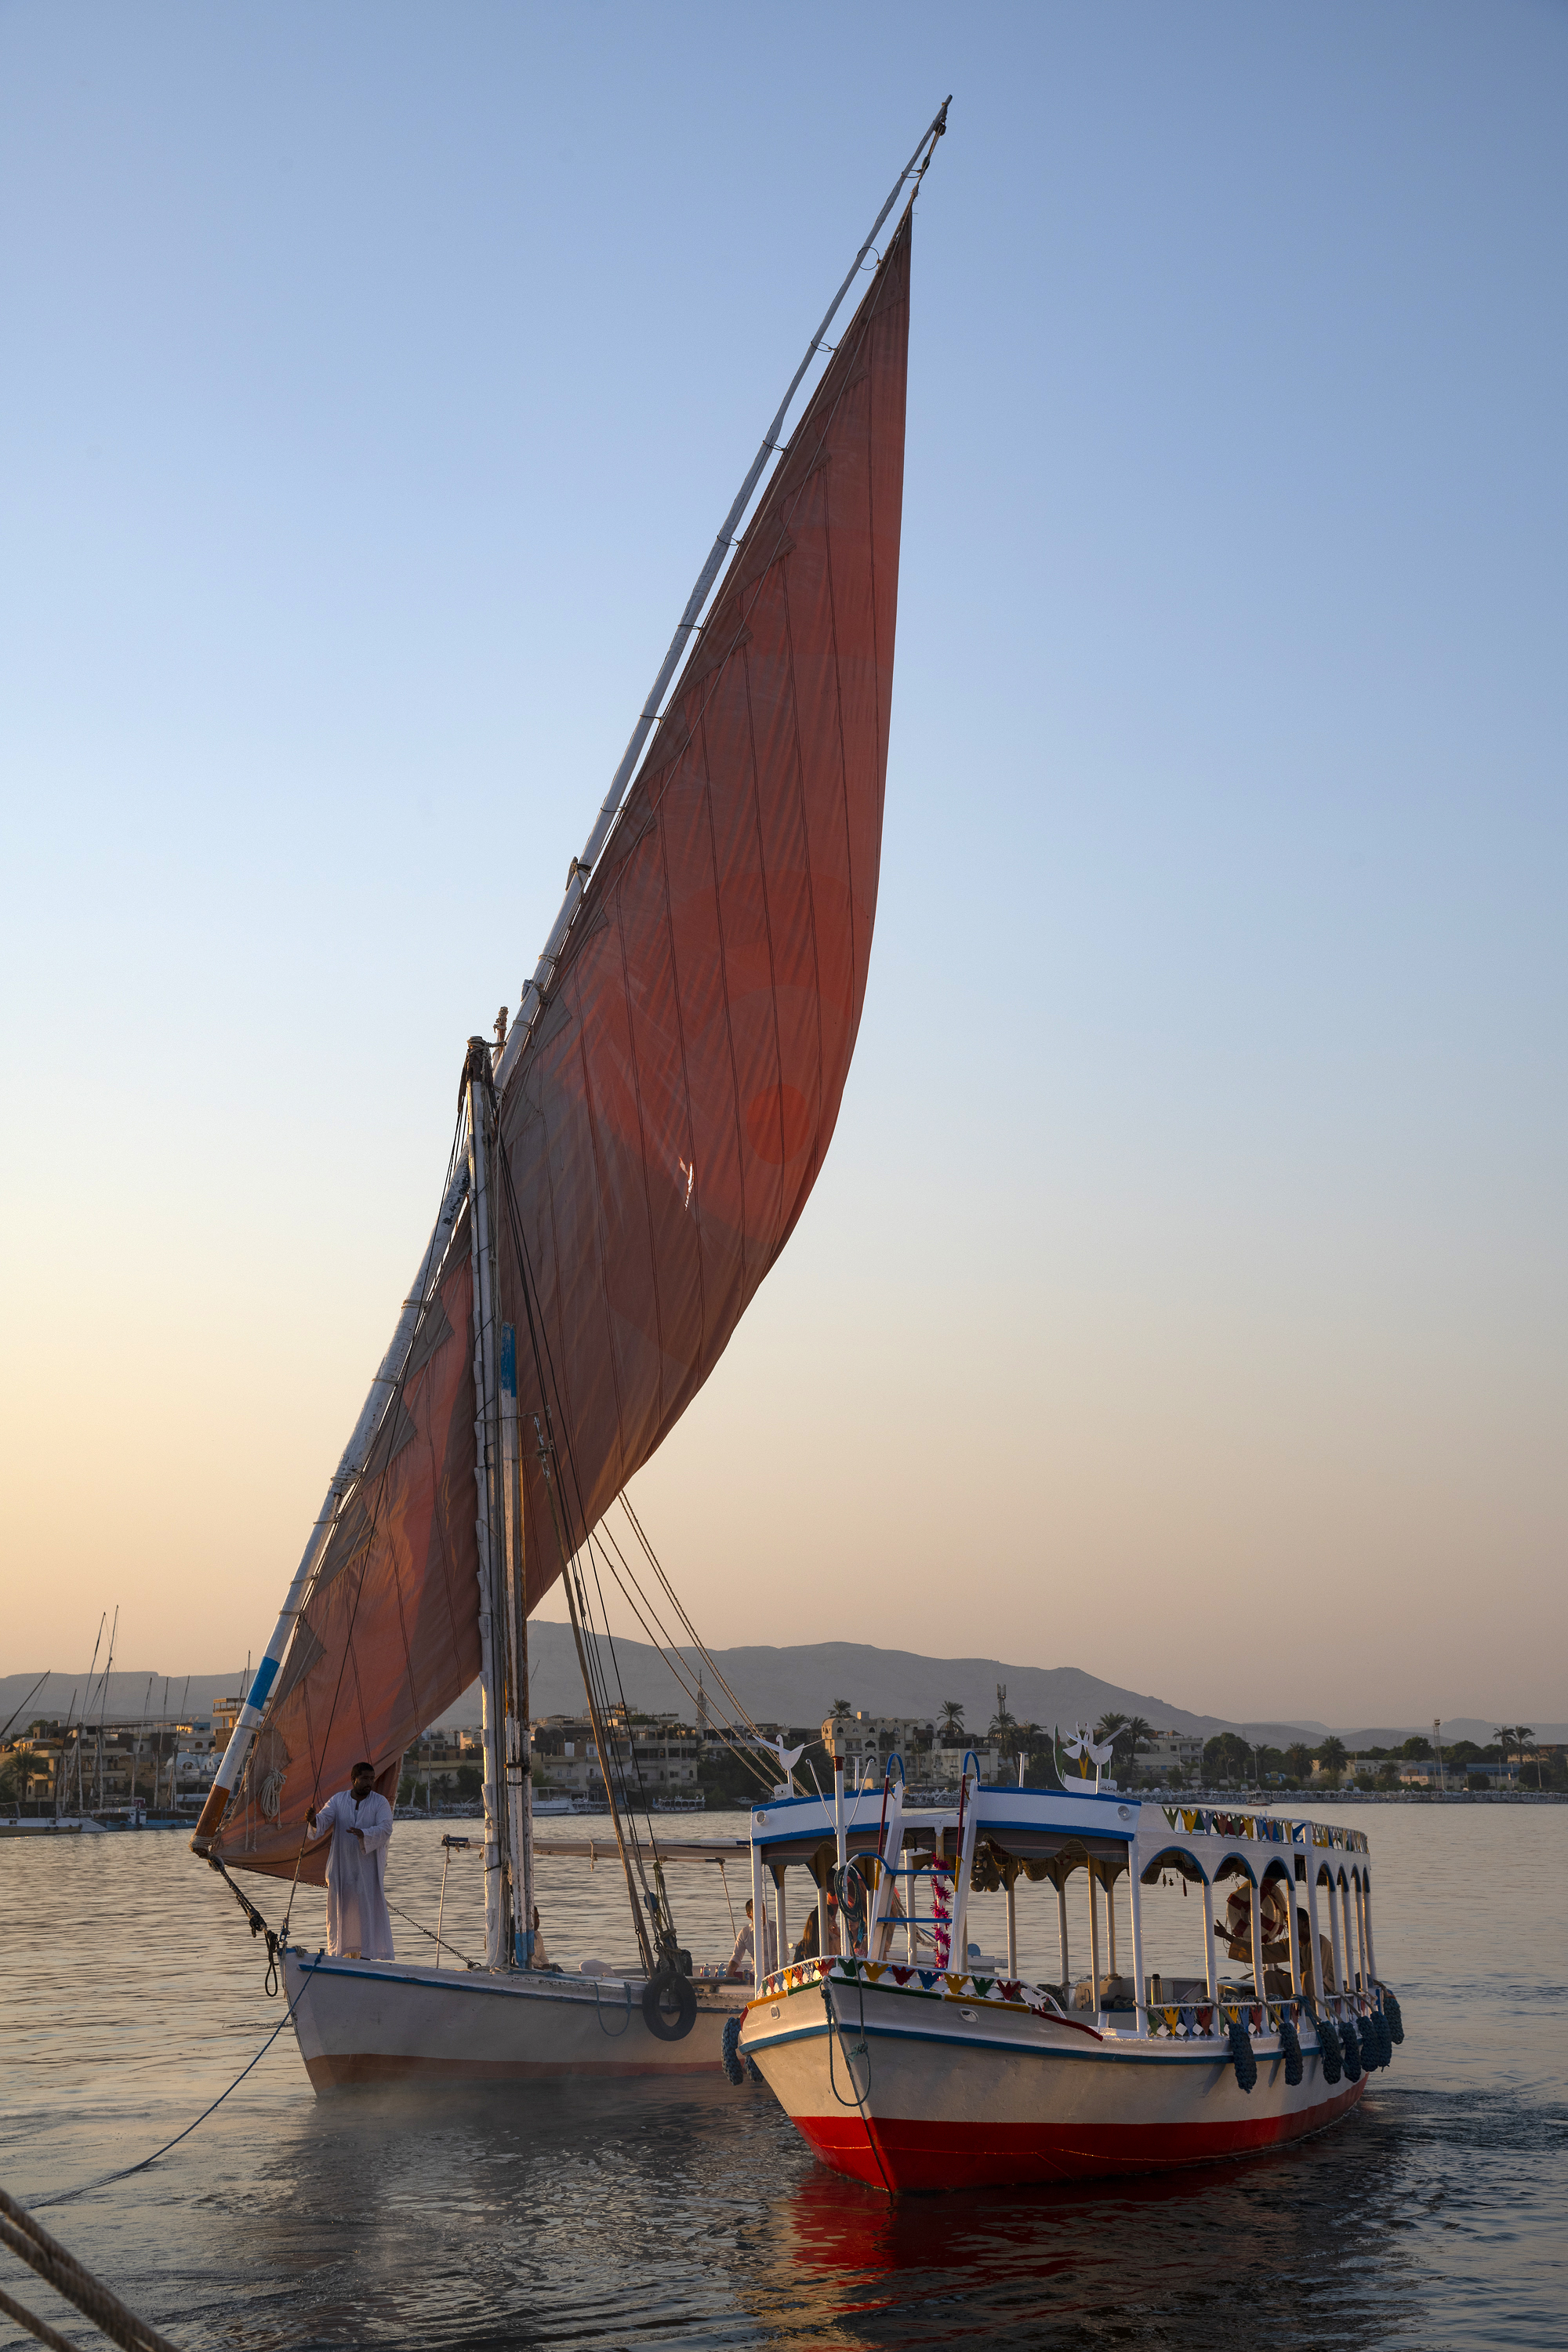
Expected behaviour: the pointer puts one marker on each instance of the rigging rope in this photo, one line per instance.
(592, 1663)
(635, 1595)
(430, 1932)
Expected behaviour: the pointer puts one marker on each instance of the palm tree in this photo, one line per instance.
(841, 1710)
(951, 1722)
(1134, 1734)
(1331, 1754)
(1300, 1758)
(1110, 1726)
(1003, 1732)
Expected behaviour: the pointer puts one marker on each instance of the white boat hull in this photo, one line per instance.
(922, 2086)
(366, 2021)
(71, 1827)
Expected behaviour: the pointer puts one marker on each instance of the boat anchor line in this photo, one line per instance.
(107, 2180)
(861, 2049)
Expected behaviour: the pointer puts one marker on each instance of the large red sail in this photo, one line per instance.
(390, 1634)
(668, 1119)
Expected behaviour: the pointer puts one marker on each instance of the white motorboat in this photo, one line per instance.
(51, 1825)
(915, 2069)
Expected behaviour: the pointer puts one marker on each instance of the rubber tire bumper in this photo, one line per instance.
(668, 2006)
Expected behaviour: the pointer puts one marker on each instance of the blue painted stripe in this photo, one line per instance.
(266, 1675)
(538, 1986)
(1128, 2054)
(508, 1360)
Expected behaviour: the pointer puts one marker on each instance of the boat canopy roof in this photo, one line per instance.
(1061, 1829)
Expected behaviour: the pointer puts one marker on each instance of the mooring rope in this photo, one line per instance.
(63, 2196)
(31, 2242)
(35, 2325)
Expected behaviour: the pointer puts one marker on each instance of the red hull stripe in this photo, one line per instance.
(912, 2154)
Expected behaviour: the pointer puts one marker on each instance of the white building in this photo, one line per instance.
(1165, 1752)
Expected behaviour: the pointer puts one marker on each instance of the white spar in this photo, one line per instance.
(355, 1452)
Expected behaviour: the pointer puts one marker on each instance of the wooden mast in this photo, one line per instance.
(486, 1463)
(519, 1775)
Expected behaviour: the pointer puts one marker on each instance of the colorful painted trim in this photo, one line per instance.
(1202, 1820)
(1190, 2021)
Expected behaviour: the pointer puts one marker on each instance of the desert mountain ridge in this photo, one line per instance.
(796, 1685)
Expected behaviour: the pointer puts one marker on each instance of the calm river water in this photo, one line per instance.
(1436, 2217)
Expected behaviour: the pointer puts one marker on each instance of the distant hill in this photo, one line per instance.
(130, 1697)
(797, 1685)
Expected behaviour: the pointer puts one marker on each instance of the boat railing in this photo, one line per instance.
(1211, 2019)
(1206, 2018)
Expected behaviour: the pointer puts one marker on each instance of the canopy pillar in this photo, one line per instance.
(1140, 1982)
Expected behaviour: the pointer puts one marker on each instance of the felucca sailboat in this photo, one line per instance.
(630, 1159)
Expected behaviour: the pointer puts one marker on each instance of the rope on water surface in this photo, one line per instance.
(63, 2196)
(32, 2243)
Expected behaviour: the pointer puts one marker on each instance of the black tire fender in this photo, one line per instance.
(668, 2006)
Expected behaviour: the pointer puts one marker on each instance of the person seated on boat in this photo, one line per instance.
(358, 1926)
(1234, 1930)
(810, 1944)
(740, 1959)
(538, 1957)
(1325, 1957)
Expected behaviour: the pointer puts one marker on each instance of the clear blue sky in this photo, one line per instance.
(1183, 1297)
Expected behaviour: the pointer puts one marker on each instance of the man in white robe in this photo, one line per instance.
(741, 1959)
(358, 1926)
